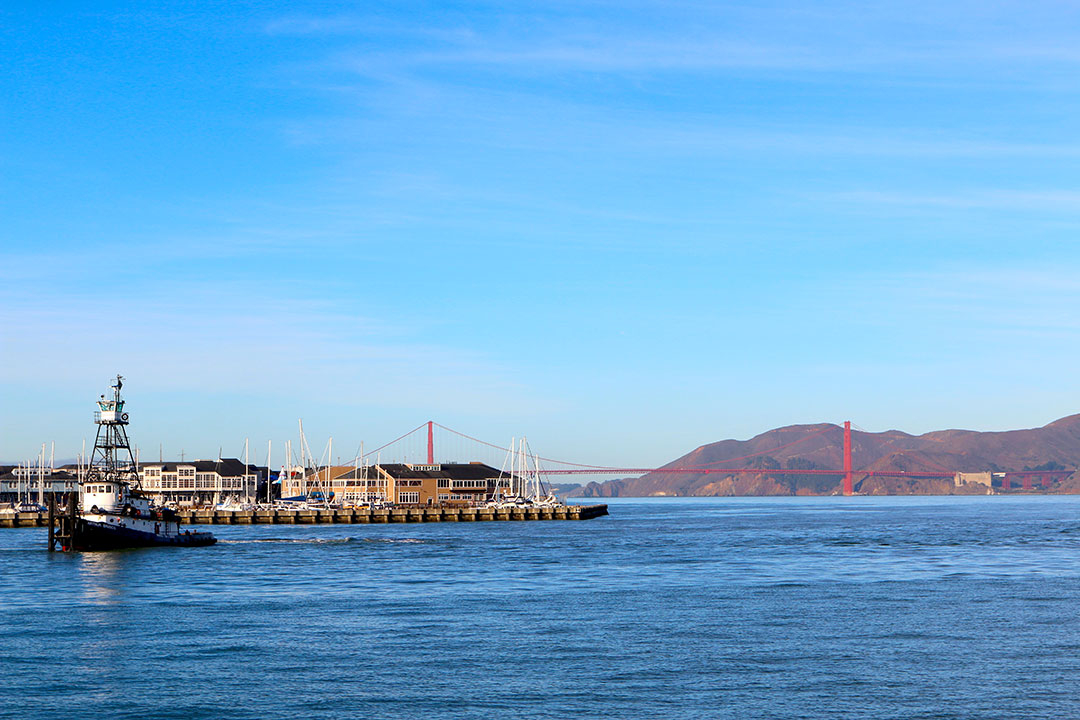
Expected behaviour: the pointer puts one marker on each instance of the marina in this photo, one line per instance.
(110, 509)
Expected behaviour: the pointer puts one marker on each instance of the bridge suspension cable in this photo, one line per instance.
(723, 466)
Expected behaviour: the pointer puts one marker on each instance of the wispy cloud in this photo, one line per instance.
(1040, 201)
(604, 55)
(982, 304)
(217, 333)
(317, 25)
(839, 36)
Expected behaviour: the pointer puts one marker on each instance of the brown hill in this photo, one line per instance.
(820, 447)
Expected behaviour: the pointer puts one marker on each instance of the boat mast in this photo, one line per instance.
(303, 454)
(269, 447)
(523, 469)
(539, 478)
(41, 477)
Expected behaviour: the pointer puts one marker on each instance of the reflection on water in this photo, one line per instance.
(101, 645)
(101, 575)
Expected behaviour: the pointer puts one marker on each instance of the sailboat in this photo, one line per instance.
(520, 483)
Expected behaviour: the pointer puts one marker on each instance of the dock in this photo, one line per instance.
(348, 516)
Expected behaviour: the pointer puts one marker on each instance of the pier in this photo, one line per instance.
(348, 516)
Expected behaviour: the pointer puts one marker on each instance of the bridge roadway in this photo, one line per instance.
(210, 516)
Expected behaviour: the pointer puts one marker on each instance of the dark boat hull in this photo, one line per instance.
(95, 536)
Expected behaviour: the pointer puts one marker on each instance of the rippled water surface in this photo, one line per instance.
(695, 608)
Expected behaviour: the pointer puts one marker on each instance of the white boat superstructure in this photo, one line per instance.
(114, 505)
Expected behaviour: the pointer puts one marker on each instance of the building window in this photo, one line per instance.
(408, 497)
(470, 483)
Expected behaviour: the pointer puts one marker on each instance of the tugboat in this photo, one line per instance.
(110, 511)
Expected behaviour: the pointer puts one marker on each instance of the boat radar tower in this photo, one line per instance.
(108, 462)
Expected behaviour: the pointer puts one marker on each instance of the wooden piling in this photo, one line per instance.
(52, 522)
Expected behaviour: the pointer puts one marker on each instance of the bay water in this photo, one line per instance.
(913, 607)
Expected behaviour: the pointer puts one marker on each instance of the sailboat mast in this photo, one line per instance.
(269, 446)
(303, 455)
(523, 469)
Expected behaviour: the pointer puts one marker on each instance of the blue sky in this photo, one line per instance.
(624, 229)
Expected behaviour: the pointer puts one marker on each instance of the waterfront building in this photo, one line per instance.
(27, 483)
(197, 482)
(200, 482)
(400, 483)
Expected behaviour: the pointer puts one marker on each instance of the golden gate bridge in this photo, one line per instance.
(420, 442)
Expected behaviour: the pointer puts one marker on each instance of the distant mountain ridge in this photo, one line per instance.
(820, 447)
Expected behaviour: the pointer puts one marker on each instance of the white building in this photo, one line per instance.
(200, 482)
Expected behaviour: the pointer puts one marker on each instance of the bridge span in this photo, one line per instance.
(423, 438)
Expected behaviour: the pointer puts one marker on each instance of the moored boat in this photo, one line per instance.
(111, 511)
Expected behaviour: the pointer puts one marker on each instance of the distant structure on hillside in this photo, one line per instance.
(974, 478)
